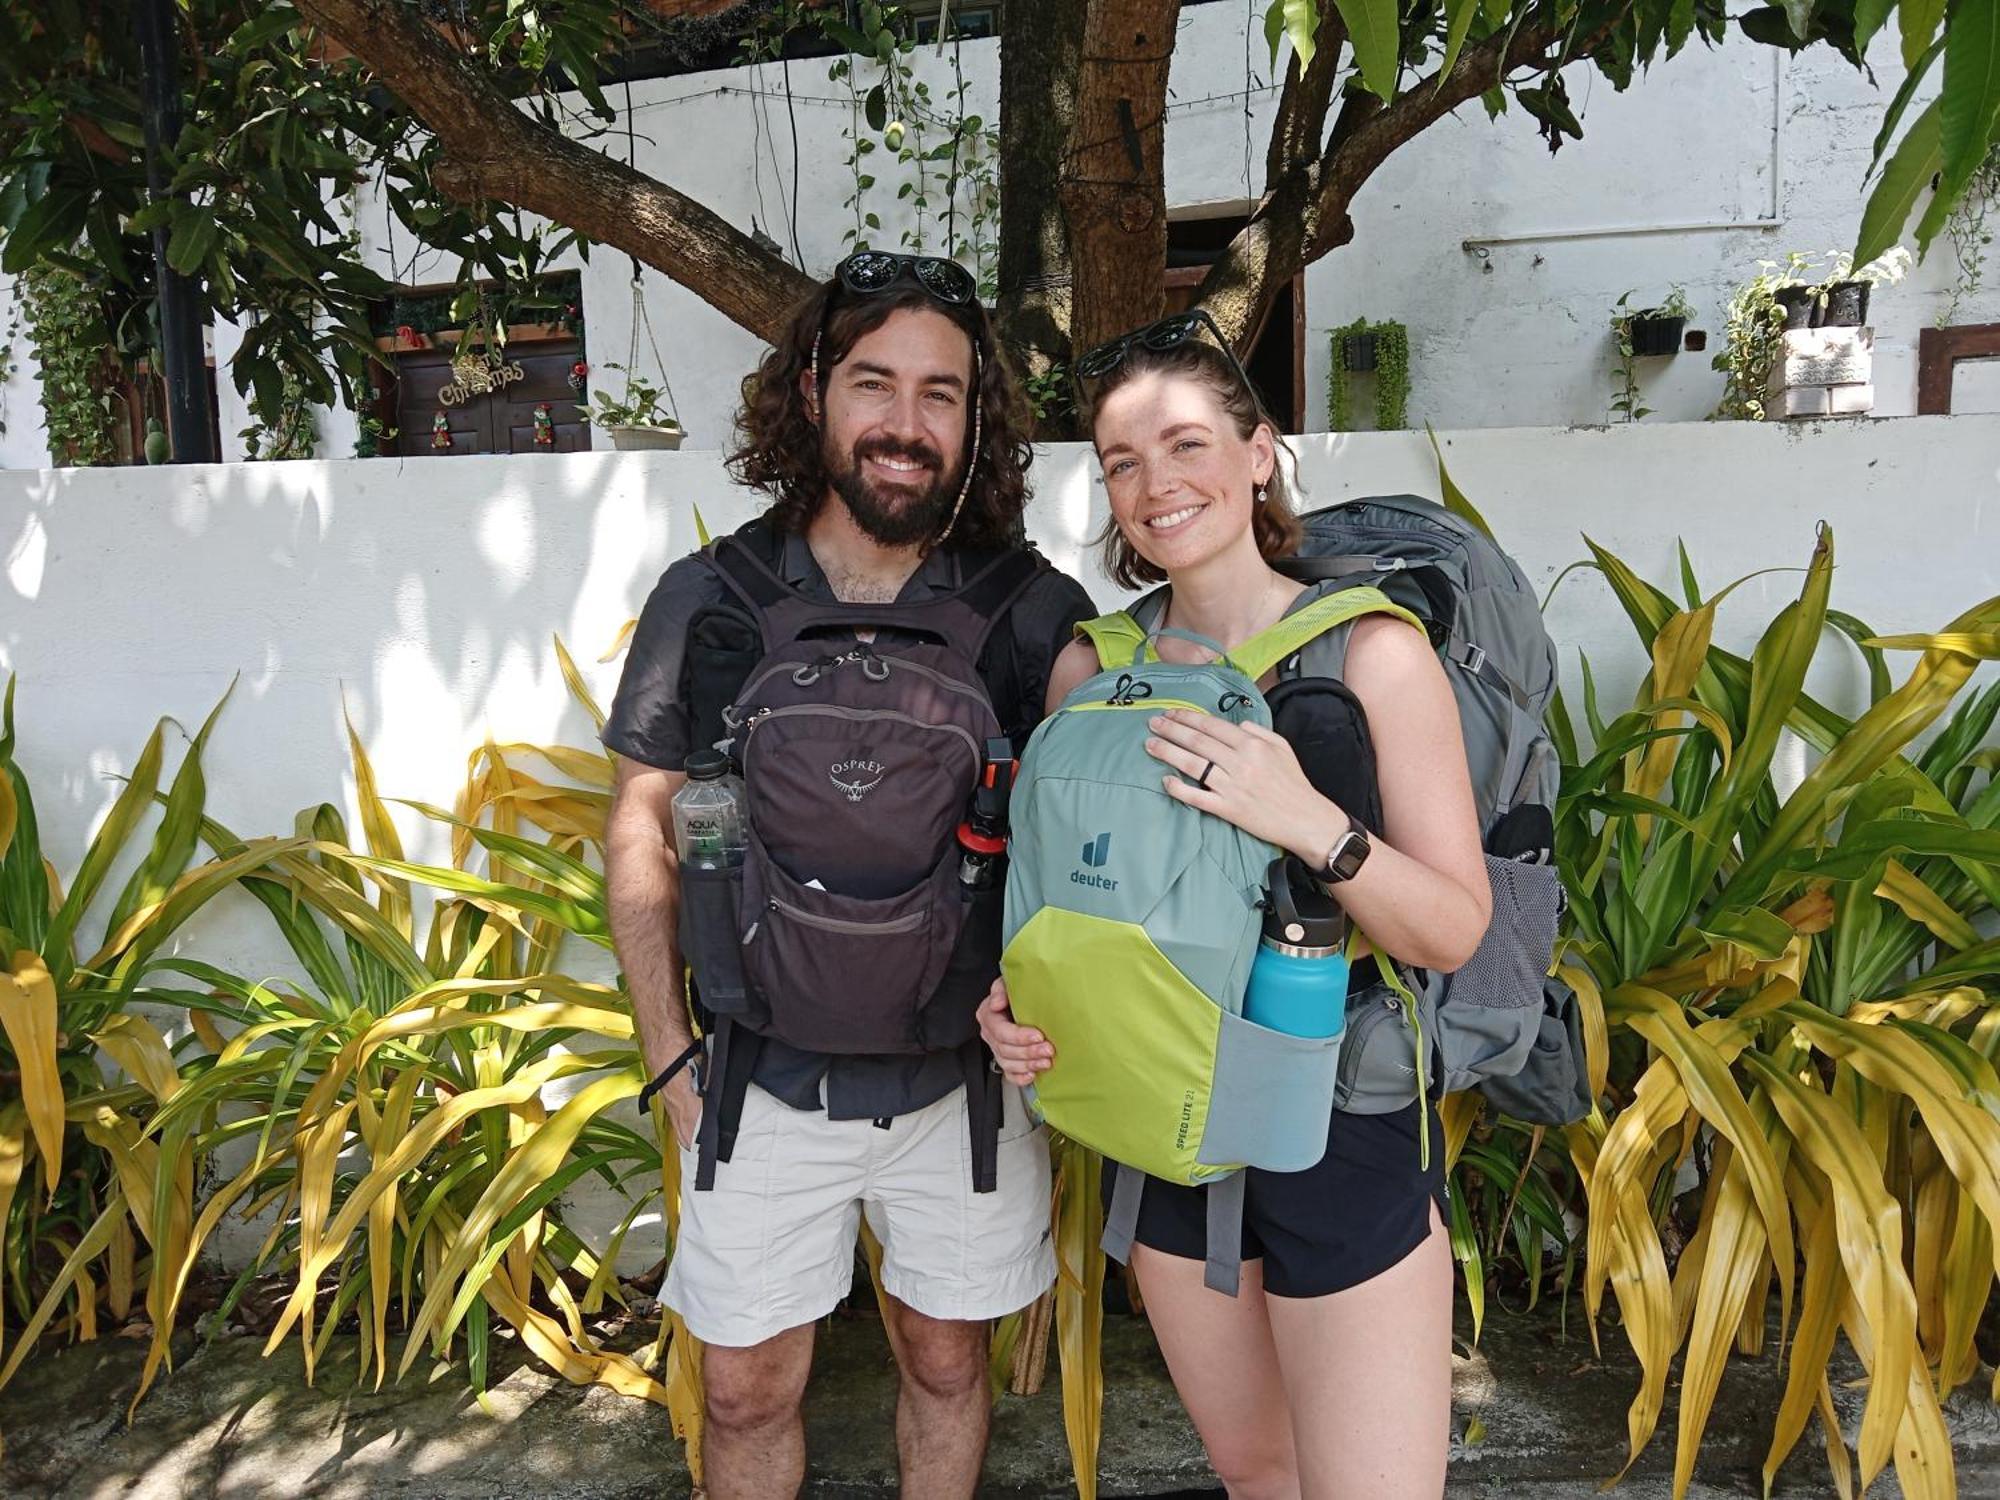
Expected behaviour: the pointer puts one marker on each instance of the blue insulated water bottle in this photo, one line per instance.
(1298, 982)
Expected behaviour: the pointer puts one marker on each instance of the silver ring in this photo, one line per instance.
(1202, 780)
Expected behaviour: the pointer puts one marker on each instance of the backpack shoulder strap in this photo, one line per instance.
(993, 584)
(752, 580)
(1291, 634)
(1119, 635)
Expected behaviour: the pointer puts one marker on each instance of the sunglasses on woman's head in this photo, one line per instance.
(1167, 333)
(867, 272)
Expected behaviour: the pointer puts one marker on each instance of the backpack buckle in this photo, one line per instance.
(1474, 659)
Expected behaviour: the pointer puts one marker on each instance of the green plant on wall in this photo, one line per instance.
(292, 434)
(71, 341)
(1391, 375)
(1969, 235)
(1625, 403)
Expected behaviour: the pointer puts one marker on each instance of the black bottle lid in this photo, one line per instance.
(1300, 914)
(707, 765)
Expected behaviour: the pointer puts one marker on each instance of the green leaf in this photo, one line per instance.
(1274, 29)
(1299, 20)
(876, 107)
(1868, 18)
(1904, 180)
(1893, 117)
(1371, 31)
(1970, 101)
(1762, 933)
(193, 237)
(1459, 15)
(1921, 19)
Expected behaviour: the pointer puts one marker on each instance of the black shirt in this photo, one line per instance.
(650, 723)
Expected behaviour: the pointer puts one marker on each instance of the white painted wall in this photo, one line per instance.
(424, 593)
(1516, 335)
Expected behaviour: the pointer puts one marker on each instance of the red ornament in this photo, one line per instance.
(407, 334)
(578, 372)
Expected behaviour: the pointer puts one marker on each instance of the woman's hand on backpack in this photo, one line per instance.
(1254, 781)
(1021, 1051)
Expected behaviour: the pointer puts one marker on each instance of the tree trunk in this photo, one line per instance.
(1113, 187)
(1041, 48)
(494, 151)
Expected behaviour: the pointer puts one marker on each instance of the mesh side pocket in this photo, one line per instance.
(1507, 969)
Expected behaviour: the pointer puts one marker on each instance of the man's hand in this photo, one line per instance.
(683, 1106)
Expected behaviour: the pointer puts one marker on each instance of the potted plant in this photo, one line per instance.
(1841, 301)
(639, 417)
(1797, 304)
(1657, 330)
(1380, 350)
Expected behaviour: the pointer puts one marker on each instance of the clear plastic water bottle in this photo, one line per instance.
(1298, 981)
(708, 814)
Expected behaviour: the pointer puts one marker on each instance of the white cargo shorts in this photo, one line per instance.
(771, 1246)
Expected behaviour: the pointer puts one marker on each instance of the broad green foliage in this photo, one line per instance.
(91, 1198)
(1786, 983)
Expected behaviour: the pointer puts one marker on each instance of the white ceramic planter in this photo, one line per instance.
(633, 438)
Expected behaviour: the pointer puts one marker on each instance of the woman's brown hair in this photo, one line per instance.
(1273, 522)
(778, 447)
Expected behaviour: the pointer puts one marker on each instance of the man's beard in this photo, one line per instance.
(898, 515)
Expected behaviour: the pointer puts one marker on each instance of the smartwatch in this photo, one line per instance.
(1348, 855)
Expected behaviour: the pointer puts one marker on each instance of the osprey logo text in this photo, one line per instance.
(1096, 854)
(856, 778)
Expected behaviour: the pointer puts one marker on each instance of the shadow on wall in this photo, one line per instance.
(427, 591)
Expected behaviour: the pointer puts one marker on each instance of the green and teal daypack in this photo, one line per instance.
(1132, 920)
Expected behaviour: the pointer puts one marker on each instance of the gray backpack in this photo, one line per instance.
(1500, 1023)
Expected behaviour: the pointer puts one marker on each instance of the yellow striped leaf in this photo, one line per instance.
(1869, 1228)
(1920, 903)
(28, 1016)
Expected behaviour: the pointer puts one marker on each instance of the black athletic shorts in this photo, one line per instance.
(1363, 1208)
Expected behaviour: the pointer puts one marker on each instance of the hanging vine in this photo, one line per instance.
(72, 343)
(1969, 235)
(894, 111)
(1391, 375)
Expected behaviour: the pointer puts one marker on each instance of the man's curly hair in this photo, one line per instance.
(778, 447)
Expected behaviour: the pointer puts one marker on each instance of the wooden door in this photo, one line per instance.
(503, 420)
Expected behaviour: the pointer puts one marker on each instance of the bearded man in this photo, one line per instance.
(890, 432)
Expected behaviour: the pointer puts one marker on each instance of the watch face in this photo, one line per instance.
(1348, 855)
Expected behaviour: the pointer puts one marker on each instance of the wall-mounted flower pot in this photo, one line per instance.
(1797, 301)
(1846, 306)
(1652, 334)
(630, 439)
(1357, 353)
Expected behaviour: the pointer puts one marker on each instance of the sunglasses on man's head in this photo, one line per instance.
(867, 272)
(1167, 333)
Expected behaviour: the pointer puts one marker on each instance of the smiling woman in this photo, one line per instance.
(1327, 1371)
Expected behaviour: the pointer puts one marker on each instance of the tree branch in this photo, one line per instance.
(1300, 127)
(494, 151)
(1305, 210)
